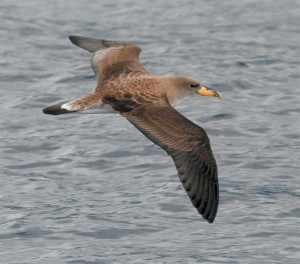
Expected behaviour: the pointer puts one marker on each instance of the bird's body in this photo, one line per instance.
(145, 100)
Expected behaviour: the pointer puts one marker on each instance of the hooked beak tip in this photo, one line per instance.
(217, 94)
(209, 92)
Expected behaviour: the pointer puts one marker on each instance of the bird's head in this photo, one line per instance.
(185, 85)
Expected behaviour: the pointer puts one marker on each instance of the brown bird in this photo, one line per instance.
(125, 86)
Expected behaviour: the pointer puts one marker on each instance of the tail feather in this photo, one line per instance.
(93, 44)
(90, 101)
(56, 110)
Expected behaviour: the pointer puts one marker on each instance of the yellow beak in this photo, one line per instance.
(206, 92)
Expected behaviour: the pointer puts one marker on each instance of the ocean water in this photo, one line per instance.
(92, 189)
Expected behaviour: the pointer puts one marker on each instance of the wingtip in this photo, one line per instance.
(210, 211)
(210, 218)
(86, 43)
(74, 39)
(93, 44)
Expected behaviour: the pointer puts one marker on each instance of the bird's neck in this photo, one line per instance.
(172, 89)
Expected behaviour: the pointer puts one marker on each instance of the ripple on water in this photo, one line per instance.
(92, 189)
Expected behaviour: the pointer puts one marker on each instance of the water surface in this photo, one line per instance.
(92, 189)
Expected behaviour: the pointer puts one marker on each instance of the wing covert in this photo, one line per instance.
(189, 147)
(111, 59)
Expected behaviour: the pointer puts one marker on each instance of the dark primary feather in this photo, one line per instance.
(189, 147)
(111, 58)
(93, 44)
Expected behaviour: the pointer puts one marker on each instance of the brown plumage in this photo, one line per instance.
(145, 100)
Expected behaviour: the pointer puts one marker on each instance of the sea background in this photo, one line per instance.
(92, 189)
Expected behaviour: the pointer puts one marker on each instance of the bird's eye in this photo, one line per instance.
(194, 85)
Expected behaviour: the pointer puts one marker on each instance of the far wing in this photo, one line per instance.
(189, 146)
(111, 59)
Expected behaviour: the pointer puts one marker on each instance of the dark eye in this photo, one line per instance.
(194, 85)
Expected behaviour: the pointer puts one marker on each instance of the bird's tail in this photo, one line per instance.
(89, 101)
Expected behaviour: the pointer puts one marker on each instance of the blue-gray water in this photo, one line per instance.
(92, 189)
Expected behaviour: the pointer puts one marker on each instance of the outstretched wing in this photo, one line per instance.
(111, 59)
(189, 146)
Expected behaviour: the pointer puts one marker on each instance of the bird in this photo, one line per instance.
(126, 87)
